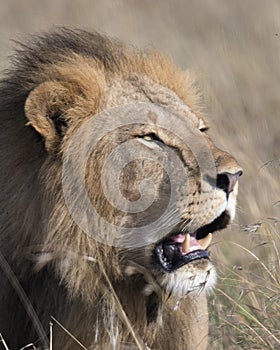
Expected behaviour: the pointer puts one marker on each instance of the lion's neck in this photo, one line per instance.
(159, 324)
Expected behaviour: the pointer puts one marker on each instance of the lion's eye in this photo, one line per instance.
(204, 129)
(202, 126)
(151, 137)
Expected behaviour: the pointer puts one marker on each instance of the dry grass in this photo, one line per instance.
(235, 48)
(245, 307)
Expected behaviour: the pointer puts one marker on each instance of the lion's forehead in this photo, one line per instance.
(138, 88)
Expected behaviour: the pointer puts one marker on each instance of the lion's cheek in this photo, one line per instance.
(198, 276)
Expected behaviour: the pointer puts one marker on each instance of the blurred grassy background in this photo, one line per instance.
(234, 47)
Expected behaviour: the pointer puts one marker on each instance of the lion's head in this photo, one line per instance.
(113, 180)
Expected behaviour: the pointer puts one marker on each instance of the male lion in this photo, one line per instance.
(110, 192)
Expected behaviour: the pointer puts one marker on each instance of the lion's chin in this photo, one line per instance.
(195, 277)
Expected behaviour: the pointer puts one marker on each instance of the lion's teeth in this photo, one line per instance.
(205, 242)
(186, 244)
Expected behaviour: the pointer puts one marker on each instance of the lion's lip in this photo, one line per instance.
(180, 248)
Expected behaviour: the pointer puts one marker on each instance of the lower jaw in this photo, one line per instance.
(196, 277)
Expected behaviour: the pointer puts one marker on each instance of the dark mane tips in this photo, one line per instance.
(52, 46)
(31, 56)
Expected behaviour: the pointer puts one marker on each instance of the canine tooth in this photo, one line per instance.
(186, 244)
(205, 242)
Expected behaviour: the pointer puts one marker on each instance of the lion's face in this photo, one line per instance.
(141, 175)
(158, 187)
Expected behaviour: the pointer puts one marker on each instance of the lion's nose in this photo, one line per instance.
(226, 181)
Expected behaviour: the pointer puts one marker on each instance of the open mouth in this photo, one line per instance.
(180, 248)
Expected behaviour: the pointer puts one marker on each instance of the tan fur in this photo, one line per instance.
(98, 292)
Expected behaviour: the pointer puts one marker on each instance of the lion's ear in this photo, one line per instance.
(45, 108)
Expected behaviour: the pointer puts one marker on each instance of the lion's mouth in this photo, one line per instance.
(180, 248)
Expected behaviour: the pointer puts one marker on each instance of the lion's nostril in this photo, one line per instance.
(239, 173)
(226, 181)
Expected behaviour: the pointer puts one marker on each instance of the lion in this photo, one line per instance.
(111, 190)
